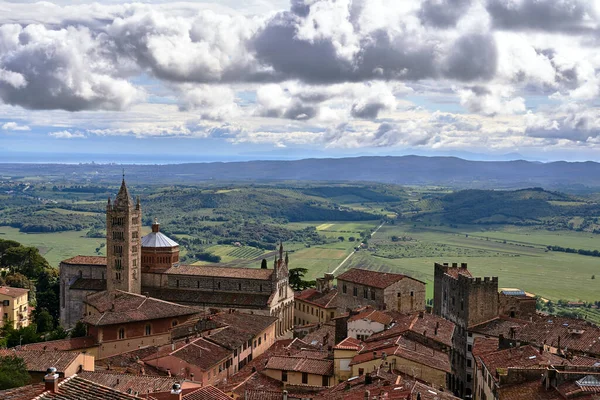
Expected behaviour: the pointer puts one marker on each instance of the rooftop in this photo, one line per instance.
(12, 291)
(371, 278)
(88, 284)
(158, 239)
(127, 383)
(430, 326)
(85, 260)
(321, 299)
(301, 364)
(210, 298)
(207, 393)
(39, 361)
(200, 353)
(372, 315)
(349, 344)
(117, 307)
(222, 272)
(63, 344)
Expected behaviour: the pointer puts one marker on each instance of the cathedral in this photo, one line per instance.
(149, 265)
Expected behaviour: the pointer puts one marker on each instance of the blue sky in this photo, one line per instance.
(252, 79)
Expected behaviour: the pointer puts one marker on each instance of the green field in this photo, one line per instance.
(57, 246)
(523, 264)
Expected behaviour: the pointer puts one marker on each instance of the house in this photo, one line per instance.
(86, 344)
(300, 370)
(67, 363)
(141, 384)
(121, 321)
(312, 306)
(199, 360)
(381, 290)
(14, 306)
(406, 356)
(343, 353)
(368, 322)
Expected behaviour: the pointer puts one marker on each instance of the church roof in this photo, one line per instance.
(123, 195)
(157, 239)
(117, 307)
(86, 260)
(222, 272)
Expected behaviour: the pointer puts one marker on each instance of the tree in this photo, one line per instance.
(57, 334)
(80, 330)
(295, 278)
(13, 372)
(26, 335)
(351, 239)
(263, 264)
(25, 260)
(341, 238)
(19, 281)
(44, 321)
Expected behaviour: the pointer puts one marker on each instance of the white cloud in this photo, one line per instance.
(67, 134)
(14, 126)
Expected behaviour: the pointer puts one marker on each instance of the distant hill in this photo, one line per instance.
(405, 170)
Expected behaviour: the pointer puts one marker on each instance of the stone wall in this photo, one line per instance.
(72, 307)
(522, 307)
(219, 284)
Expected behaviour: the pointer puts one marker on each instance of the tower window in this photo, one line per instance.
(121, 333)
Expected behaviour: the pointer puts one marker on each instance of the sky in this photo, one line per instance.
(254, 79)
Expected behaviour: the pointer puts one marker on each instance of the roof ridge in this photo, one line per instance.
(104, 387)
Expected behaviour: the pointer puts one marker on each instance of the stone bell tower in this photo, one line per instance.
(123, 242)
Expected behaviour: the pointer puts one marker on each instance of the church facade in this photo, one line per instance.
(150, 266)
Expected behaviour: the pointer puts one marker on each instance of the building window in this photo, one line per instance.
(305, 378)
(239, 286)
(468, 362)
(355, 292)
(283, 376)
(468, 377)
(365, 293)
(118, 276)
(148, 329)
(218, 285)
(174, 323)
(344, 288)
(198, 284)
(265, 336)
(259, 340)
(372, 295)
(118, 264)
(325, 381)
(261, 288)
(177, 282)
(134, 235)
(361, 371)
(121, 333)
(332, 315)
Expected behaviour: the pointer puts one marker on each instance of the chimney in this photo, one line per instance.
(285, 395)
(155, 226)
(51, 380)
(176, 392)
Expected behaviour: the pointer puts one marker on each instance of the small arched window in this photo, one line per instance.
(148, 329)
(121, 333)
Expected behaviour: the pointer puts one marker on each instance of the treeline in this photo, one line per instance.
(583, 252)
(38, 220)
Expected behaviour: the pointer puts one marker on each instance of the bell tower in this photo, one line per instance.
(123, 242)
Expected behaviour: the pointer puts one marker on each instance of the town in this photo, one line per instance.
(154, 328)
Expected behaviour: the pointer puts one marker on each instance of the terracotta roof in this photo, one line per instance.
(88, 284)
(262, 395)
(241, 328)
(28, 392)
(396, 387)
(63, 344)
(482, 345)
(76, 388)
(349, 344)
(127, 383)
(129, 362)
(117, 307)
(499, 326)
(200, 353)
(529, 390)
(301, 364)
(222, 272)
(13, 291)
(86, 260)
(40, 361)
(207, 393)
(429, 393)
(321, 299)
(372, 315)
(210, 299)
(158, 239)
(371, 278)
(455, 272)
(520, 357)
(323, 337)
(431, 326)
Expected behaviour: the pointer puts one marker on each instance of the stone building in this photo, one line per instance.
(150, 266)
(360, 287)
(515, 303)
(466, 301)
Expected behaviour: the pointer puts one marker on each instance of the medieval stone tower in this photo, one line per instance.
(123, 243)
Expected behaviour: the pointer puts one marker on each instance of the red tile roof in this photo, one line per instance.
(40, 361)
(372, 315)
(520, 357)
(127, 383)
(320, 299)
(455, 272)
(222, 272)
(349, 344)
(76, 388)
(63, 344)
(28, 392)
(12, 291)
(301, 364)
(207, 393)
(531, 391)
(117, 307)
(85, 260)
(200, 353)
(431, 326)
(371, 278)
(429, 393)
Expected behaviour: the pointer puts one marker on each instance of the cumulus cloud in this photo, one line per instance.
(570, 123)
(443, 13)
(491, 100)
(64, 69)
(209, 101)
(67, 134)
(14, 126)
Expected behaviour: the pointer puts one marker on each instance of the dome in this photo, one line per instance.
(157, 239)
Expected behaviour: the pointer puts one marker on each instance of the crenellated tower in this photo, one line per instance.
(123, 242)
